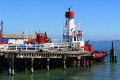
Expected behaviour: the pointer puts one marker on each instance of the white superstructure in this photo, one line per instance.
(71, 35)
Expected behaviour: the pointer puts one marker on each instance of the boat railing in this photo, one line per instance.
(62, 45)
(23, 47)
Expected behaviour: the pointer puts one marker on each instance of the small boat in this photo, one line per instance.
(97, 55)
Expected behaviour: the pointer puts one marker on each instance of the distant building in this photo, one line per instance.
(17, 38)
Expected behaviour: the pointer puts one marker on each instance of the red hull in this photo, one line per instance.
(99, 56)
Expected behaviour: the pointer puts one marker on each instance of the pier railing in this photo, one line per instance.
(35, 47)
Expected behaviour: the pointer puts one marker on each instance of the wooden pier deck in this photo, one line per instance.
(45, 54)
(79, 56)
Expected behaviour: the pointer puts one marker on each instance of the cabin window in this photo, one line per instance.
(74, 38)
(79, 39)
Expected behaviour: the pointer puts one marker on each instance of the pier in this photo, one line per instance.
(47, 58)
(30, 52)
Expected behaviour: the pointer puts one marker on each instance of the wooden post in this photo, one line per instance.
(113, 54)
(81, 64)
(25, 64)
(47, 65)
(77, 62)
(32, 66)
(64, 61)
(13, 64)
(86, 61)
(89, 61)
(9, 70)
(83, 61)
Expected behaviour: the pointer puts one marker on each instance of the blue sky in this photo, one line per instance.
(100, 19)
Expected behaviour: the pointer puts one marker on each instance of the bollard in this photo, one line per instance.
(113, 54)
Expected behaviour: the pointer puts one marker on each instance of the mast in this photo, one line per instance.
(1, 31)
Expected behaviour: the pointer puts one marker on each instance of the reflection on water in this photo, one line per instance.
(101, 71)
(11, 77)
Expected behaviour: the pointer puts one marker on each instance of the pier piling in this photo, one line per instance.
(64, 62)
(32, 62)
(77, 62)
(12, 64)
(113, 54)
(86, 61)
(83, 61)
(89, 61)
(47, 65)
(25, 65)
(9, 70)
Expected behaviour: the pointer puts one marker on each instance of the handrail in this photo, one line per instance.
(36, 47)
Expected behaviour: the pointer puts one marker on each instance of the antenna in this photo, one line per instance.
(69, 8)
(1, 23)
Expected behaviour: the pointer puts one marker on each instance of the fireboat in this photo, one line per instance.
(72, 38)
